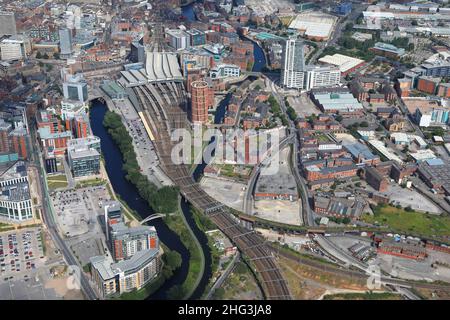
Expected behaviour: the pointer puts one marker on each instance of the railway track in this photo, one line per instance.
(163, 120)
(352, 274)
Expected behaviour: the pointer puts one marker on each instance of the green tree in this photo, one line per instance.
(291, 113)
(173, 260)
(177, 292)
(163, 200)
(364, 124)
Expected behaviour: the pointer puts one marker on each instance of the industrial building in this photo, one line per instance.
(375, 179)
(314, 26)
(345, 64)
(333, 101)
(361, 153)
(314, 172)
(338, 207)
(436, 174)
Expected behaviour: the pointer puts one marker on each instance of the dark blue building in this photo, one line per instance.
(344, 8)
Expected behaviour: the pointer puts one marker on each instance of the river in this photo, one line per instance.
(188, 12)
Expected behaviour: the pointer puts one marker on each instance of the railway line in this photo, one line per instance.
(357, 275)
(162, 121)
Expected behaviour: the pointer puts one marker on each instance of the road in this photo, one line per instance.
(49, 221)
(306, 214)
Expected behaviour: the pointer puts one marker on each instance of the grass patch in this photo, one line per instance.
(57, 184)
(409, 222)
(239, 285)
(286, 21)
(205, 224)
(90, 183)
(57, 181)
(6, 227)
(300, 255)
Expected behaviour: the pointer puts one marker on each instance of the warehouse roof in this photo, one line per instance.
(343, 62)
(338, 101)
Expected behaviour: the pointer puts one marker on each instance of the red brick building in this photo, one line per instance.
(201, 100)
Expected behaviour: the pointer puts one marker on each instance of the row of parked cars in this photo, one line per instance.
(11, 256)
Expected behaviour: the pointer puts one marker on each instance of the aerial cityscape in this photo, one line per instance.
(224, 150)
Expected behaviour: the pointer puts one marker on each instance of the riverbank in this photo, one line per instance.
(162, 200)
(180, 226)
(205, 225)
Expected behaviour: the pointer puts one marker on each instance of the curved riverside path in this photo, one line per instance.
(183, 206)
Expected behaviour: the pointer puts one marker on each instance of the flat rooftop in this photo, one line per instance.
(276, 184)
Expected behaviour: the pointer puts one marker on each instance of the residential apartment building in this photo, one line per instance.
(135, 258)
(178, 39)
(295, 74)
(15, 198)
